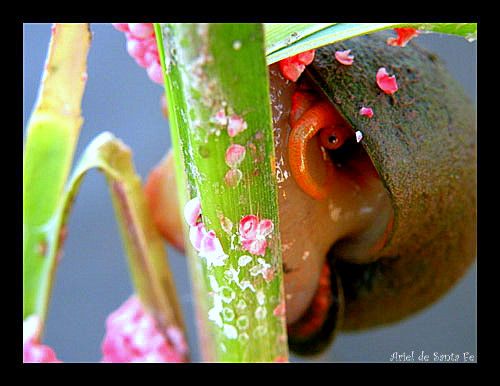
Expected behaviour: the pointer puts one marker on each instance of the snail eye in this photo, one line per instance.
(330, 138)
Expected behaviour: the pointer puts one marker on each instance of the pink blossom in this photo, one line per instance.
(142, 47)
(404, 36)
(366, 111)
(253, 234)
(234, 155)
(386, 83)
(236, 125)
(192, 211)
(33, 350)
(344, 57)
(132, 335)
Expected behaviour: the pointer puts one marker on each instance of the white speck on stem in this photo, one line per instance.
(236, 45)
(230, 331)
(359, 136)
(244, 260)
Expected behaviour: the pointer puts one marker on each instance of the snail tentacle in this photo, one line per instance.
(321, 116)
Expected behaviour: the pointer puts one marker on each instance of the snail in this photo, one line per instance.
(373, 227)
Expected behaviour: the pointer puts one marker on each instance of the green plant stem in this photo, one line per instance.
(52, 135)
(143, 244)
(213, 68)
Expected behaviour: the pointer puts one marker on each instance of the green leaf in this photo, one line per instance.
(213, 68)
(279, 46)
(52, 135)
(144, 245)
(277, 35)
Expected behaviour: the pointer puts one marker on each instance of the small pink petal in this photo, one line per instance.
(192, 211)
(305, 57)
(265, 228)
(386, 83)
(234, 155)
(404, 36)
(344, 57)
(248, 227)
(366, 111)
(291, 68)
(236, 125)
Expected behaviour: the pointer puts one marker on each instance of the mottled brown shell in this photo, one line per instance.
(422, 141)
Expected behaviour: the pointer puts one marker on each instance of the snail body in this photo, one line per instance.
(393, 215)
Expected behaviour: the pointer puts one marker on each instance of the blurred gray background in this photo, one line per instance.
(92, 278)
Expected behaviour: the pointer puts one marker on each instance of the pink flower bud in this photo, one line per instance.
(135, 48)
(141, 30)
(33, 351)
(155, 73)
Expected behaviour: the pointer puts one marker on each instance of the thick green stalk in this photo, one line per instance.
(52, 135)
(217, 80)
